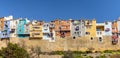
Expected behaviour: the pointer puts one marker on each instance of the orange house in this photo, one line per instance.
(114, 28)
(62, 28)
(1, 23)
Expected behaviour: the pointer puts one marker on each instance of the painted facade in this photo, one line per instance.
(90, 28)
(2, 23)
(118, 25)
(46, 31)
(20, 27)
(52, 31)
(100, 29)
(62, 28)
(36, 30)
(114, 28)
(5, 27)
(77, 28)
(108, 29)
(6, 31)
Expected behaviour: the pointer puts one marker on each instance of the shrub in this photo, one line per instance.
(13, 51)
(56, 53)
(108, 51)
(68, 54)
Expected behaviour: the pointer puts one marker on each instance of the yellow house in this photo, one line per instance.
(36, 30)
(90, 28)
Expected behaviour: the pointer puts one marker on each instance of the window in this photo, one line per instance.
(91, 38)
(87, 33)
(106, 23)
(20, 30)
(76, 28)
(97, 32)
(100, 39)
(36, 27)
(78, 33)
(100, 33)
(36, 33)
(75, 32)
(59, 22)
(45, 29)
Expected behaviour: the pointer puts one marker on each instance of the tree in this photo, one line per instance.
(13, 51)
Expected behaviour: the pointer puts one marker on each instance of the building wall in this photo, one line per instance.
(1, 23)
(90, 27)
(108, 29)
(27, 27)
(118, 25)
(114, 28)
(62, 26)
(77, 28)
(5, 26)
(6, 31)
(100, 29)
(46, 31)
(13, 27)
(20, 27)
(36, 30)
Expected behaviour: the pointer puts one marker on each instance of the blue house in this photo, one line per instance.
(6, 32)
(21, 28)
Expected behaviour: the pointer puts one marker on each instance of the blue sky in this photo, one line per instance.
(48, 10)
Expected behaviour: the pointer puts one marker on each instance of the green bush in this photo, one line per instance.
(68, 54)
(78, 52)
(108, 51)
(89, 57)
(13, 51)
(56, 53)
(101, 56)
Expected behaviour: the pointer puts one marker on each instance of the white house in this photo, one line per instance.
(108, 29)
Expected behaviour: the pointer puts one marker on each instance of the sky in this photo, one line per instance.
(47, 10)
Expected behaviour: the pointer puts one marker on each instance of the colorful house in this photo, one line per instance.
(2, 23)
(6, 31)
(100, 31)
(5, 27)
(77, 28)
(20, 27)
(108, 29)
(36, 30)
(118, 25)
(46, 31)
(114, 32)
(90, 28)
(13, 27)
(27, 29)
(62, 28)
(115, 28)
(52, 31)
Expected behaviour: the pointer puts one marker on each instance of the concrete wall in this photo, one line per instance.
(80, 43)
